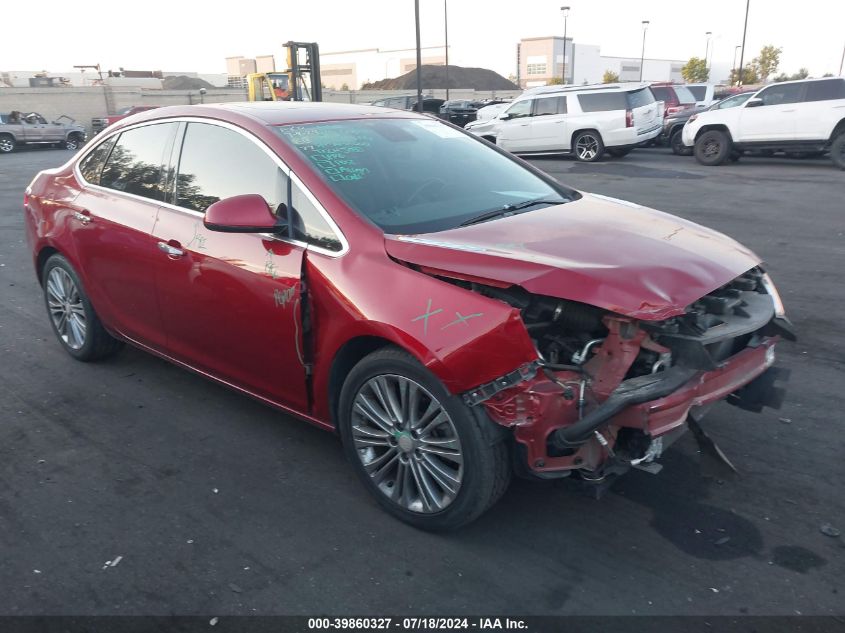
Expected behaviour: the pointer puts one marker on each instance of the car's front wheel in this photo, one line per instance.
(73, 142)
(588, 146)
(423, 454)
(713, 148)
(72, 316)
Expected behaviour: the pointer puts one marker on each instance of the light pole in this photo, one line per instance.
(565, 21)
(742, 52)
(419, 57)
(446, 29)
(842, 61)
(736, 49)
(707, 50)
(642, 55)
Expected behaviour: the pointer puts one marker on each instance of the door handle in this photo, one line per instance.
(172, 250)
(83, 216)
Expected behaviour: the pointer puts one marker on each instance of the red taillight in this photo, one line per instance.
(673, 110)
(629, 118)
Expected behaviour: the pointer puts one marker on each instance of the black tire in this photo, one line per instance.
(7, 143)
(73, 142)
(486, 468)
(587, 146)
(619, 153)
(677, 144)
(97, 343)
(837, 151)
(713, 147)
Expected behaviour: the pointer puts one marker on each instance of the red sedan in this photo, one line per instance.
(453, 312)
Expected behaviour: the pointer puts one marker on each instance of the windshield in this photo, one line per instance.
(416, 175)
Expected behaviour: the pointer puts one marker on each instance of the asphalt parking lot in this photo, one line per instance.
(219, 505)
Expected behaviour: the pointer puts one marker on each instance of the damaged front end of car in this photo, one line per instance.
(610, 392)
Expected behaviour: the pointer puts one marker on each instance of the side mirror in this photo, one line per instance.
(248, 213)
(505, 116)
(754, 103)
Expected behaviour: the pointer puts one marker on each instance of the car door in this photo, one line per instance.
(33, 128)
(548, 126)
(822, 107)
(116, 212)
(773, 120)
(515, 127)
(230, 301)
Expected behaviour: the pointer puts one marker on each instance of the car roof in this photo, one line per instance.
(278, 112)
(560, 89)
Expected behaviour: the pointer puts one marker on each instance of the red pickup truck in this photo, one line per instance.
(101, 123)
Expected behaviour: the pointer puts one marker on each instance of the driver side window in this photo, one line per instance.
(520, 109)
(777, 95)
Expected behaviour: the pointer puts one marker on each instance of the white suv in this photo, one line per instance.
(805, 116)
(582, 120)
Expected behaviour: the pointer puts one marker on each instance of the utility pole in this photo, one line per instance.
(742, 52)
(642, 56)
(565, 24)
(419, 57)
(707, 50)
(842, 61)
(446, 29)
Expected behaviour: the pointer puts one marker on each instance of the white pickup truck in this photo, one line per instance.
(17, 128)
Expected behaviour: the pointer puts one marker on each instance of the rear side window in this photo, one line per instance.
(603, 102)
(135, 164)
(826, 90)
(549, 105)
(776, 95)
(640, 98)
(684, 94)
(520, 109)
(92, 165)
(218, 163)
(662, 93)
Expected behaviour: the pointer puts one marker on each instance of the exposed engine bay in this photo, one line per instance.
(609, 392)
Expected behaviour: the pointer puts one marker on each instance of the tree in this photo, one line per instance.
(695, 70)
(802, 73)
(828, 75)
(554, 81)
(344, 86)
(609, 77)
(749, 75)
(767, 62)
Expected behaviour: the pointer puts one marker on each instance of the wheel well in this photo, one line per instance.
(75, 133)
(349, 355)
(9, 134)
(43, 256)
(586, 129)
(709, 128)
(839, 129)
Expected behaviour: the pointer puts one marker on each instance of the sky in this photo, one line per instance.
(186, 35)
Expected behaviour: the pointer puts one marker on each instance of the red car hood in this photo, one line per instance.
(608, 253)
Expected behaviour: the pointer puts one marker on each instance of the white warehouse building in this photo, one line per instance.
(540, 59)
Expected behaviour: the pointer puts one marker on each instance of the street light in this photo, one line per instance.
(642, 56)
(736, 49)
(565, 20)
(707, 50)
(446, 29)
(419, 57)
(742, 52)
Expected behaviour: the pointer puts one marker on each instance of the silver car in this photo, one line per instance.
(17, 128)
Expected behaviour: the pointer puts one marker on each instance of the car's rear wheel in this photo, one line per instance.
(713, 147)
(421, 452)
(7, 143)
(588, 146)
(837, 151)
(618, 152)
(72, 316)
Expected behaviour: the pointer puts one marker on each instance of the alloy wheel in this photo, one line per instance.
(6, 144)
(407, 443)
(66, 309)
(587, 147)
